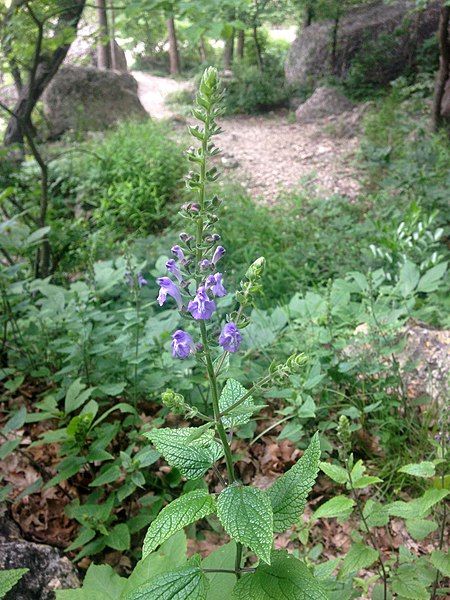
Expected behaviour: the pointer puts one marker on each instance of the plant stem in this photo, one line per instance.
(369, 533)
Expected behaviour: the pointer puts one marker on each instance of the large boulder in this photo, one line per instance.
(89, 99)
(396, 27)
(325, 102)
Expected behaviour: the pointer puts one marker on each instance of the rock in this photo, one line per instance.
(229, 162)
(89, 99)
(310, 55)
(48, 570)
(324, 102)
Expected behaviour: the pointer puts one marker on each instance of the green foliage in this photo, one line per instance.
(285, 577)
(9, 578)
(183, 511)
(288, 494)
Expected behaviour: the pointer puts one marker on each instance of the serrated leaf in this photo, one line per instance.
(441, 561)
(178, 514)
(407, 587)
(188, 583)
(418, 508)
(339, 506)
(334, 472)
(365, 481)
(324, 570)
(221, 584)
(119, 537)
(358, 557)
(419, 529)
(424, 469)
(288, 494)
(246, 515)
(376, 514)
(9, 578)
(111, 474)
(285, 578)
(231, 393)
(192, 458)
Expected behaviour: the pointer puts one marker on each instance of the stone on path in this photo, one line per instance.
(325, 102)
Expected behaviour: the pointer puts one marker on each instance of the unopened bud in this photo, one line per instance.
(173, 401)
(256, 269)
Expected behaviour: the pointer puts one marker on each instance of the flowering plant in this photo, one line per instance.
(249, 515)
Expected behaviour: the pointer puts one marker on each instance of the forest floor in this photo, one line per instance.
(269, 154)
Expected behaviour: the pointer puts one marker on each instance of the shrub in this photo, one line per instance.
(127, 179)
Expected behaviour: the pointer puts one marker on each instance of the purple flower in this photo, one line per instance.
(168, 288)
(230, 338)
(182, 344)
(178, 253)
(173, 268)
(218, 253)
(214, 283)
(141, 280)
(204, 264)
(201, 307)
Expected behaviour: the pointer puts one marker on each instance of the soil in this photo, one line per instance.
(269, 154)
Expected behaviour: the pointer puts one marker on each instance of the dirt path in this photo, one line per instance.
(270, 155)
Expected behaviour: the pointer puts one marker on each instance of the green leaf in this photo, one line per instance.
(429, 282)
(324, 570)
(111, 474)
(8, 447)
(16, 420)
(334, 472)
(408, 278)
(169, 557)
(424, 469)
(246, 515)
(358, 557)
(365, 481)
(441, 561)
(183, 511)
(76, 396)
(409, 587)
(288, 494)
(119, 537)
(221, 584)
(285, 578)
(188, 583)
(339, 506)
(419, 529)
(9, 578)
(376, 514)
(418, 508)
(101, 582)
(192, 458)
(231, 393)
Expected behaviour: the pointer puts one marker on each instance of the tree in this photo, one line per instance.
(38, 38)
(443, 76)
(174, 54)
(103, 45)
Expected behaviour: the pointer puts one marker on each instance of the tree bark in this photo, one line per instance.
(259, 58)
(334, 41)
(112, 37)
(44, 68)
(228, 51)
(202, 50)
(174, 55)
(443, 76)
(240, 44)
(103, 44)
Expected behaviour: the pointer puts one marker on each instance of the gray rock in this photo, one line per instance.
(310, 55)
(89, 99)
(48, 570)
(324, 102)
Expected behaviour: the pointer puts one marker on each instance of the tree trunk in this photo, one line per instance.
(240, 44)
(45, 68)
(259, 58)
(443, 76)
(112, 37)
(228, 52)
(309, 15)
(202, 49)
(103, 45)
(334, 41)
(174, 55)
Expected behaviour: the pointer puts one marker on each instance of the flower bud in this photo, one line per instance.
(256, 269)
(173, 401)
(344, 434)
